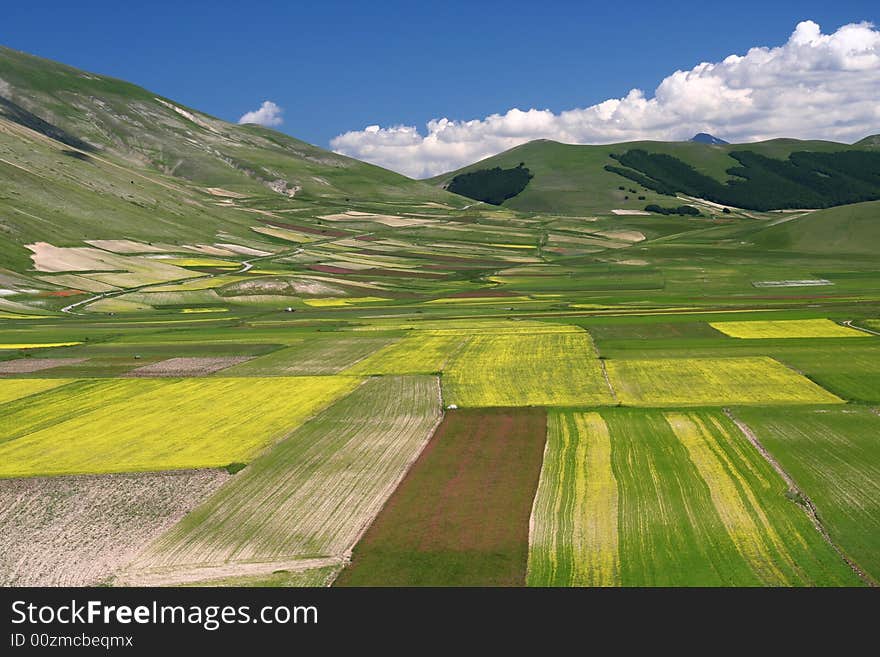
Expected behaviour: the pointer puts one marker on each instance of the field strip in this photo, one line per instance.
(748, 526)
(76, 531)
(171, 576)
(786, 328)
(461, 515)
(573, 534)
(807, 504)
(312, 494)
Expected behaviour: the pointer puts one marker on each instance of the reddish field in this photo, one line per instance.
(62, 293)
(330, 269)
(461, 515)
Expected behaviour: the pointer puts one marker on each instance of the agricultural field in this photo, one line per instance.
(461, 516)
(526, 370)
(795, 328)
(170, 424)
(667, 498)
(712, 382)
(284, 508)
(574, 536)
(77, 531)
(424, 354)
(313, 356)
(833, 455)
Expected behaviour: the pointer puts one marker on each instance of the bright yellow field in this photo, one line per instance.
(790, 328)
(518, 369)
(421, 354)
(123, 425)
(201, 262)
(712, 381)
(11, 389)
(36, 345)
(341, 301)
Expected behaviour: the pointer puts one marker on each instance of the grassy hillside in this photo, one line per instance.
(572, 179)
(847, 229)
(84, 156)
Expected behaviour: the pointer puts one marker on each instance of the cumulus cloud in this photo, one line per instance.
(816, 86)
(269, 115)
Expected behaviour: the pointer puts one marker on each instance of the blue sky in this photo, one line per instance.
(339, 66)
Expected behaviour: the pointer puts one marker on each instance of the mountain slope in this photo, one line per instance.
(146, 130)
(86, 157)
(706, 138)
(573, 179)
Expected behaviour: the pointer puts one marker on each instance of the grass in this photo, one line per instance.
(128, 425)
(461, 516)
(313, 493)
(309, 578)
(712, 382)
(526, 370)
(798, 328)
(834, 456)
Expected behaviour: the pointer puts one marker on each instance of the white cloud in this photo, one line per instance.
(816, 86)
(269, 115)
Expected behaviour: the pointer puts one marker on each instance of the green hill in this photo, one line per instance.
(849, 229)
(84, 156)
(775, 174)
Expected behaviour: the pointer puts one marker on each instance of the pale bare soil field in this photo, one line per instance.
(77, 531)
(30, 365)
(195, 366)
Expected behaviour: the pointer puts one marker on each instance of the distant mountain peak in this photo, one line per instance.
(706, 138)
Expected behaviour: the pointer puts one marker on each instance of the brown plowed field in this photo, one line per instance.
(461, 516)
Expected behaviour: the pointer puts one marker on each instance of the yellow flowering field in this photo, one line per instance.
(521, 369)
(787, 328)
(123, 425)
(711, 382)
(11, 389)
(36, 345)
(422, 354)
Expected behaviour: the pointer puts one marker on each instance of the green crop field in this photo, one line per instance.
(833, 455)
(674, 498)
